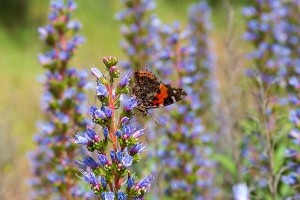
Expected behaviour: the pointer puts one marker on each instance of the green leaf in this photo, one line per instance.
(226, 162)
(279, 157)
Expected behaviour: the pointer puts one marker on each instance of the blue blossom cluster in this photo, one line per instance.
(273, 30)
(268, 29)
(62, 103)
(107, 168)
(139, 32)
(185, 150)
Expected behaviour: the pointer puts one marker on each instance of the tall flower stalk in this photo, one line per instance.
(290, 28)
(63, 107)
(185, 148)
(267, 29)
(107, 168)
(139, 31)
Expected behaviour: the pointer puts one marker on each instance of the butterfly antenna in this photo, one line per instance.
(138, 119)
(156, 119)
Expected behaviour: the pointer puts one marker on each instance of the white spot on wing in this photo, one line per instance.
(173, 98)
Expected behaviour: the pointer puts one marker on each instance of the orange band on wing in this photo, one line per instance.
(162, 95)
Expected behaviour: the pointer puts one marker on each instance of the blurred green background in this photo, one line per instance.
(19, 46)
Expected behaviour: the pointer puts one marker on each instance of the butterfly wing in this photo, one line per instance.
(145, 87)
(152, 93)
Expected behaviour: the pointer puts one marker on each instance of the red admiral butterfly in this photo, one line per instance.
(152, 93)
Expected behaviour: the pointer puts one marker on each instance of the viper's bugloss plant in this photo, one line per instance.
(268, 30)
(185, 150)
(63, 106)
(119, 147)
(291, 30)
(139, 31)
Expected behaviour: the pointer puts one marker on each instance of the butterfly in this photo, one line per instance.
(152, 93)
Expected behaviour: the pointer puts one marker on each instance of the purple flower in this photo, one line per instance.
(80, 140)
(92, 135)
(95, 72)
(99, 114)
(125, 120)
(136, 149)
(45, 59)
(71, 5)
(125, 80)
(90, 178)
(138, 133)
(145, 183)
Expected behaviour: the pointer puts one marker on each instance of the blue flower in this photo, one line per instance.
(74, 25)
(119, 156)
(113, 156)
(57, 4)
(90, 162)
(105, 132)
(119, 134)
(131, 103)
(128, 130)
(53, 177)
(107, 111)
(249, 11)
(108, 196)
(103, 182)
(127, 160)
(290, 179)
(130, 182)
(102, 159)
(101, 90)
(97, 113)
(121, 195)
(90, 178)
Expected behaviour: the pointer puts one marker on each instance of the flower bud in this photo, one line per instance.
(110, 61)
